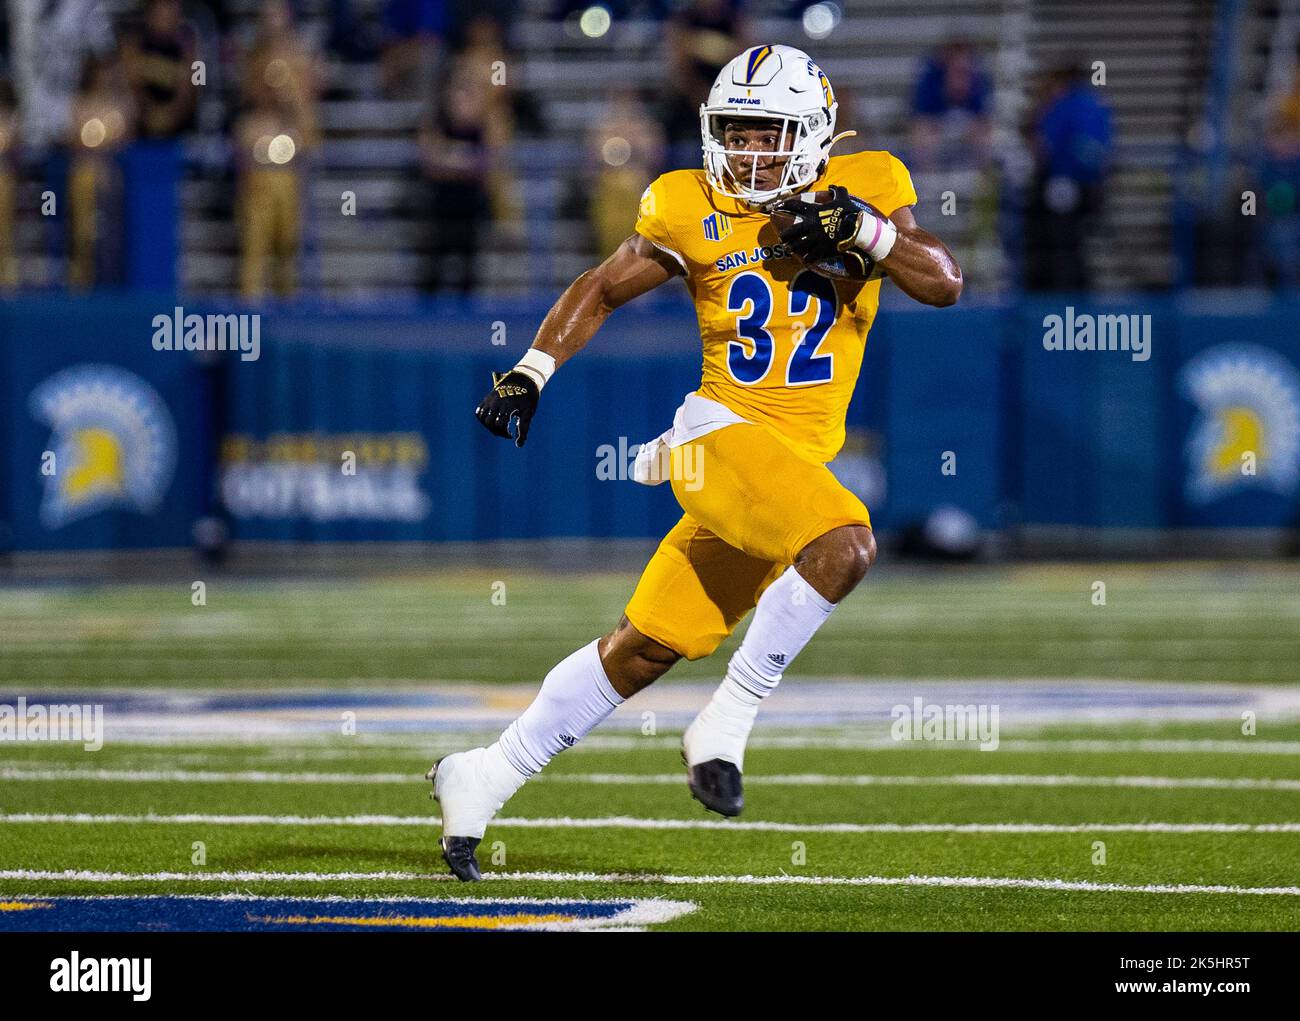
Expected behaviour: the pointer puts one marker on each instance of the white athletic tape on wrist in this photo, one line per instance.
(876, 236)
(537, 364)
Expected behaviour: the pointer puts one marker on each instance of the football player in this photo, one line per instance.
(782, 247)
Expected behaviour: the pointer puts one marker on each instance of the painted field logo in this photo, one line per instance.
(932, 722)
(36, 722)
(113, 440)
(1084, 331)
(249, 913)
(1247, 428)
(77, 974)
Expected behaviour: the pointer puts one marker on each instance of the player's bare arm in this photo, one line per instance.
(635, 268)
(920, 264)
(836, 224)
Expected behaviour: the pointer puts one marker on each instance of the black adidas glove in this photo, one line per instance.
(823, 229)
(513, 398)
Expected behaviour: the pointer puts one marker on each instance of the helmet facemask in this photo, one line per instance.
(804, 142)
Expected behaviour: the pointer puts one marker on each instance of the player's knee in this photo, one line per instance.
(834, 563)
(856, 554)
(864, 554)
(651, 661)
(641, 667)
(632, 660)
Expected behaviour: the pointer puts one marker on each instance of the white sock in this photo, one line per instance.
(787, 616)
(574, 698)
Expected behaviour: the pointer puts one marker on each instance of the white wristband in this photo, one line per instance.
(876, 236)
(537, 364)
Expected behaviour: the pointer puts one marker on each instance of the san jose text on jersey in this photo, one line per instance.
(782, 344)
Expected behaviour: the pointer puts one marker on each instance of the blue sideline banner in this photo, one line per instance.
(1235, 417)
(104, 442)
(356, 427)
(319, 424)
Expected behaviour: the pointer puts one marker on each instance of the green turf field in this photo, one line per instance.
(1232, 623)
(1143, 823)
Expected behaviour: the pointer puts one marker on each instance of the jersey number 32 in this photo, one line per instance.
(749, 359)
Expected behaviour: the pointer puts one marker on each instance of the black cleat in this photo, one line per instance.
(716, 785)
(458, 853)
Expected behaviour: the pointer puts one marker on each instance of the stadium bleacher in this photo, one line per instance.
(1157, 57)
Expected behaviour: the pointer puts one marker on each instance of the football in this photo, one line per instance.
(834, 266)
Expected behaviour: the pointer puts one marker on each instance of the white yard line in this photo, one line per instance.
(204, 776)
(657, 779)
(954, 780)
(633, 823)
(649, 878)
(811, 742)
(329, 746)
(332, 745)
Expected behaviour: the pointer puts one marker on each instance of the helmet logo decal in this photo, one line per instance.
(826, 87)
(756, 57)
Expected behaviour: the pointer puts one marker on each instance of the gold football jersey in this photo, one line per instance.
(782, 344)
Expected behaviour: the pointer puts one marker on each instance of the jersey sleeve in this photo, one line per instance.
(652, 222)
(897, 190)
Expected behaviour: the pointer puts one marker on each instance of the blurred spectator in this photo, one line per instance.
(1070, 142)
(415, 32)
(268, 157)
(629, 149)
(951, 124)
(50, 42)
(101, 120)
(1280, 184)
(702, 36)
(8, 184)
(483, 60)
(462, 144)
(280, 71)
(158, 63)
(280, 126)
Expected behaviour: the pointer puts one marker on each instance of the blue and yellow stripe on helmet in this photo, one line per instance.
(756, 57)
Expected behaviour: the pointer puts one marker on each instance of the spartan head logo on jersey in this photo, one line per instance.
(781, 86)
(113, 441)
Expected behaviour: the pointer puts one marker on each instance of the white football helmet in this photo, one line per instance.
(777, 83)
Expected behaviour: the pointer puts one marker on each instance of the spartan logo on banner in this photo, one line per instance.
(113, 440)
(1248, 404)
